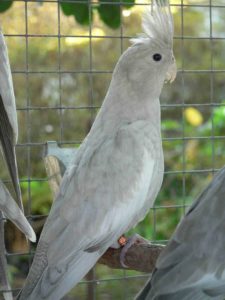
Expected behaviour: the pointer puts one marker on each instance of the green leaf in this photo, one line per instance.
(110, 13)
(170, 124)
(128, 3)
(67, 8)
(79, 10)
(4, 5)
(82, 14)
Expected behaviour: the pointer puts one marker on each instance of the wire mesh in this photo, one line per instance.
(61, 71)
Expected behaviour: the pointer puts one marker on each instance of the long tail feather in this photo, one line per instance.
(46, 288)
(6, 137)
(14, 214)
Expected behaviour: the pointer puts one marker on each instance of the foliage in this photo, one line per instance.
(79, 10)
(110, 13)
(4, 5)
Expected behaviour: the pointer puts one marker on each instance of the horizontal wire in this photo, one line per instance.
(99, 281)
(219, 137)
(104, 36)
(177, 172)
(108, 71)
(121, 3)
(88, 107)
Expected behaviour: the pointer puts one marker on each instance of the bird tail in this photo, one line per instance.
(6, 137)
(144, 292)
(187, 294)
(12, 211)
(54, 286)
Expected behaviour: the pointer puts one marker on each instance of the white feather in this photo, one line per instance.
(157, 24)
(6, 87)
(12, 211)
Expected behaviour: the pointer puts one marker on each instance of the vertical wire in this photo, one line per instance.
(59, 73)
(125, 290)
(212, 85)
(91, 287)
(90, 75)
(183, 108)
(153, 208)
(28, 121)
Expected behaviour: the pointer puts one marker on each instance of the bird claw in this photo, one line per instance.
(135, 239)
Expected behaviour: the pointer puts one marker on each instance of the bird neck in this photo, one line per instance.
(123, 104)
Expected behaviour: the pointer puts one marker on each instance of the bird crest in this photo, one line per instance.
(157, 24)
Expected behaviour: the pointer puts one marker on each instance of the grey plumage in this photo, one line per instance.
(8, 139)
(116, 173)
(12, 212)
(8, 118)
(192, 266)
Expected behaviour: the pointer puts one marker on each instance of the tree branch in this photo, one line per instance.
(139, 257)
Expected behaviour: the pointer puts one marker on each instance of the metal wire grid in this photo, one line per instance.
(28, 145)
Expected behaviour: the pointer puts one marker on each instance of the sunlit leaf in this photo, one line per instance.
(193, 116)
(4, 5)
(128, 3)
(79, 10)
(110, 13)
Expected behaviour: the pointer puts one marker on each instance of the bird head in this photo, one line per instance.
(150, 60)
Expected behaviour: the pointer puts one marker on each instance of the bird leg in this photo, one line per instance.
(122, 241)
(127, 243)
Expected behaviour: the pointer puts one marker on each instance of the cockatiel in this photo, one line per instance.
(192, 266)
(8, 139)
(8, 118)
(116, 173)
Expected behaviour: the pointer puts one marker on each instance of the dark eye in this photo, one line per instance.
(157, 57)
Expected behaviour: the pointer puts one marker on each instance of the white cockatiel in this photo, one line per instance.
(8, 118)
(192, 266)
(117, 172)
(8, 138)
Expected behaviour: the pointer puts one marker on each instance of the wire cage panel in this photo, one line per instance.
(61, 72)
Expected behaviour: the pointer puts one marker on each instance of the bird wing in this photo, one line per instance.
(194, 258)
(8, 118)
(99, 195)
(11, 211)
(186, 294)
(6, 88)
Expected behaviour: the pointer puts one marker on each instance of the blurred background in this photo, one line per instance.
(62, 56)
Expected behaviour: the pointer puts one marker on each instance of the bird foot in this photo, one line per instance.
(135, 239)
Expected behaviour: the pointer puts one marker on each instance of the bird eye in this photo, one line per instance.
(157, 57)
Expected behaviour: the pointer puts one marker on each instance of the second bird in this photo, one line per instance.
(8, 119)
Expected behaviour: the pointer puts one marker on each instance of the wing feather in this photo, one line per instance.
(193, 261)
(8, 118)
(94, 210)
(14, 213)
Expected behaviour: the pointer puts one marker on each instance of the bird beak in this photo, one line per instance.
(172, 72)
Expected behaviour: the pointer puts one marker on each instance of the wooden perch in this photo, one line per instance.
(139, 257)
